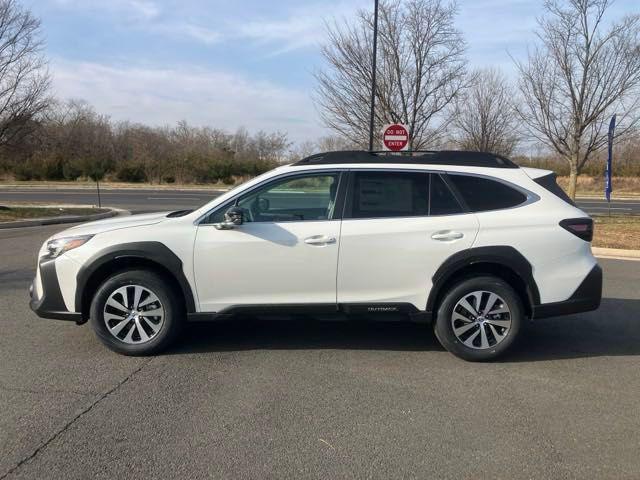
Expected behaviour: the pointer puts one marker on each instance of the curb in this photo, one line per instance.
(613, 199)
(617, 253)
(38, 222)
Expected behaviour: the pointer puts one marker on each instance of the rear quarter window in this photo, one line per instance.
(549, 183)
(483, 194)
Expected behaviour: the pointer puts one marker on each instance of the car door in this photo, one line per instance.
(285, 252)
(398, 228)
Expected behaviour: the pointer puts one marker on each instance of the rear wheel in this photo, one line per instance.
(479, 318)
(135, 313)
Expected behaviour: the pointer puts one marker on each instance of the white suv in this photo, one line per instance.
(466, 241)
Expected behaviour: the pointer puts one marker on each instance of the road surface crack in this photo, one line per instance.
(71, 422)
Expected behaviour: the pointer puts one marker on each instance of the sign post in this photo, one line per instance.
(395, 137)
(608, 188)
(373, 73)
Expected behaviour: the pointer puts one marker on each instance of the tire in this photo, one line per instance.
(125, 332)
(460, 329)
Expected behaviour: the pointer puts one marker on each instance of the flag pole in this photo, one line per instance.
(373, 73)
(608, 188)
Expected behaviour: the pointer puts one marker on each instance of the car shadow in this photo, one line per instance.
(304, 333)
(613, 330)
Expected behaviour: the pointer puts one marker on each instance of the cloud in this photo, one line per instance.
(146, 15)
(186, 30)
(158, 96)
(134, 9)
(302, 26)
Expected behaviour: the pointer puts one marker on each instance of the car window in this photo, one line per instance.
(389, 194)
(442, 200)
(482, 194)
(292, 199)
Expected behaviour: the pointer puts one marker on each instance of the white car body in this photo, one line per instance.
(354, 265)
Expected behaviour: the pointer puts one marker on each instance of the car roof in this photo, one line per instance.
(442, 157)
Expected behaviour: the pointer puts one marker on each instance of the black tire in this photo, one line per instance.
(444, 328)
(172, 319)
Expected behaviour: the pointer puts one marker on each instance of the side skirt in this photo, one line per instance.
(368, 311)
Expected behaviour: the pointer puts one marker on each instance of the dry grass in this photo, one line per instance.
(7, 180)
(9, 214)
(622, 186)
(617, 232)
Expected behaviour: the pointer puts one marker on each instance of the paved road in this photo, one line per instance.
(138, 201)
(317, 400)
(144, 200)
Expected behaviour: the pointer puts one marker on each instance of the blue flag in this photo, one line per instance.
(607, 176)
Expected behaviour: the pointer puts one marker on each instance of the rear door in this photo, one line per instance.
(398, 228)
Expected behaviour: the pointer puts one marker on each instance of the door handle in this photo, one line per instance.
(320, 240)
(447, 235)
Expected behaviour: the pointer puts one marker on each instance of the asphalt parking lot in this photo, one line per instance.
(285, 399)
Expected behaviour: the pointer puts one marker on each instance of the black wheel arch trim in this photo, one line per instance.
(586, 298)
(502, 255)
(155, 252)
(50, 304)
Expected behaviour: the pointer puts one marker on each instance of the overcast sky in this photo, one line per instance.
(231, 63)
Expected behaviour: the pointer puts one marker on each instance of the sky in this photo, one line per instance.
(230, 64)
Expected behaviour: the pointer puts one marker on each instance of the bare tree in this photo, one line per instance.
(579, 74)
(485, 119)
(420, 71)
(24, 79)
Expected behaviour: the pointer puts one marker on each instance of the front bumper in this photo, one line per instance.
(50, 303)
(586, 298)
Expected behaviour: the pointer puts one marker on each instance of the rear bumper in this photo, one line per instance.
(50, 304)
(586, 298)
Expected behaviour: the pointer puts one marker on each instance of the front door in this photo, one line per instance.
(398, 228)
(285, 252)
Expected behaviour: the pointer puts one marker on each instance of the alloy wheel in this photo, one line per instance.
(481, 320)
(133, 314)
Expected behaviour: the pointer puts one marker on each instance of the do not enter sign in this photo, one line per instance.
(395, 137)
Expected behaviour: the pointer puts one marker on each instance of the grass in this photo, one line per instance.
(10, 214)
(617, 231)
(4, 181)
(622, 186)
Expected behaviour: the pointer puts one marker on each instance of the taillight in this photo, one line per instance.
(580, 227)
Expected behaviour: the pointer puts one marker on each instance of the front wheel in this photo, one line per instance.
(135, 313)
(479, 318)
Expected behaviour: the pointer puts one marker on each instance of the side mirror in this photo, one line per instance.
(232, 218)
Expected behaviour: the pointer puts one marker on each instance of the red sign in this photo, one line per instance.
(395, 137)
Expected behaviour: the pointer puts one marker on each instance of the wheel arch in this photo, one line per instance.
(504, 262)
(154, 256)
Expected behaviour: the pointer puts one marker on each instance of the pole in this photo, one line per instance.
(608, 188)
(373, 73)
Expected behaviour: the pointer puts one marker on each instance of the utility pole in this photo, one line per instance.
(373, 73)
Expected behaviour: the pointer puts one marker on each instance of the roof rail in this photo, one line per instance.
(415, 157)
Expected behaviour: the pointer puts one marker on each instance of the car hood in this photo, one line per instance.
(114, 223)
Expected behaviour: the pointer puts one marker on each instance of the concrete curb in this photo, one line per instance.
(38, 222)
(613, 199)
(618, 253)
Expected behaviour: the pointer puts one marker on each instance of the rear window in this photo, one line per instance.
(549, 183)
(389, 194)
(482, 194)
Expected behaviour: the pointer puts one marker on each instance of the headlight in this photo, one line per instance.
(61, 245)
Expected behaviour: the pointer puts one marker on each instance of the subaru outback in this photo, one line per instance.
(467, 242)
